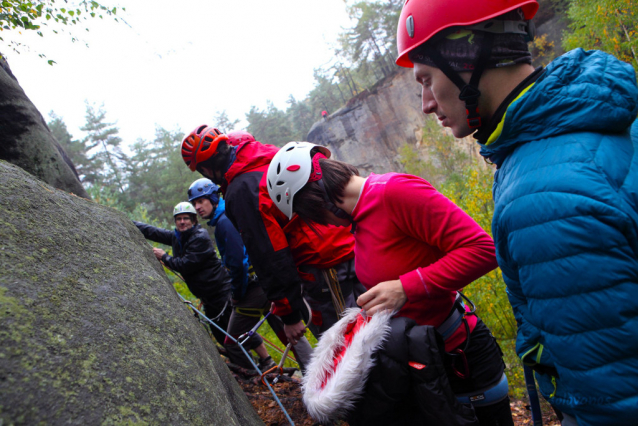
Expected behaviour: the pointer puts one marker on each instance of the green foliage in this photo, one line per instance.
(608, 25)
(32, 15)
(157, 176)
(467, 181)
(102, 147)
(223, 123)
(270, 126)
(74, 148)
(368, 46)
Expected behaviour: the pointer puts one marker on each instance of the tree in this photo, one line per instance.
(76, 149)
(223, 123)
(270, 126)
(157, 176)
(608, 25)
(103, 148)
(18, 15)
(374, 34)
(301, 117)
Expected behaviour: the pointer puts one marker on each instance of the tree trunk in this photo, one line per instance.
(26, 141)
(91, 330)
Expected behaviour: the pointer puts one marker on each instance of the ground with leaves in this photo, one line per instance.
(289, 393)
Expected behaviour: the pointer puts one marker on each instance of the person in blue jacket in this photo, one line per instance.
(248, 298)
(564, 141)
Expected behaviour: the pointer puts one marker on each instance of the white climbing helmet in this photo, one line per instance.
(289, 171)
(184, 207)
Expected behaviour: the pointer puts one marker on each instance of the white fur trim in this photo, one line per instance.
(347, 383)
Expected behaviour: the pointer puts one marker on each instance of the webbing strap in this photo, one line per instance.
(454, 320)
(250, 312)
(488, 396)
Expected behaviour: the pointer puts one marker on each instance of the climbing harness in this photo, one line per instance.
(330, 275)
(487, 396)
(449, 327)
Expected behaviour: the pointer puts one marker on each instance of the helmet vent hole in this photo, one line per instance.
(279, 183)
(279, 198)
(201, 128)
(278, 168)
(269, 184)
(290, 149)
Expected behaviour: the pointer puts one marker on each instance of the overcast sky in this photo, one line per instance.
(180, 61)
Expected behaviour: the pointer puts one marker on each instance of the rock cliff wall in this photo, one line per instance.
(26, 141)
(371, 128)
(91, 330)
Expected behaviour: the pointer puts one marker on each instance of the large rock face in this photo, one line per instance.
(91, 330)
(371, 128)
(25, 138)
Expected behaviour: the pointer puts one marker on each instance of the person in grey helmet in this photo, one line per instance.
(194, 257)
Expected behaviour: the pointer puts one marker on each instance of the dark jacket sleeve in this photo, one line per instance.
(159, 235)
(266, 245)
(196, 253)
(231, 248)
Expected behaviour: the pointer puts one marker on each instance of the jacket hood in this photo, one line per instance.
(579, 91)
(250, 156)
(219, 211)
(338, 370)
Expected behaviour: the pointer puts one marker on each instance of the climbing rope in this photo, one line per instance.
(250, 358)
(330, 275)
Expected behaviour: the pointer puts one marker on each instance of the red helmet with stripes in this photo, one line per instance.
(201, 145)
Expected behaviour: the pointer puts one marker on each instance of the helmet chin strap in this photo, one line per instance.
(332, 208)
(470, 92)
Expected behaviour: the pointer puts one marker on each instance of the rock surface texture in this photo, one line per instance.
(91, 330)
(25, 138)
(371, 128)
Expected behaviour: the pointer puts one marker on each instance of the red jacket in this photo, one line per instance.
(275, 245)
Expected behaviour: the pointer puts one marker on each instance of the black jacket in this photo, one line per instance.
(194, 257)
(409, 385)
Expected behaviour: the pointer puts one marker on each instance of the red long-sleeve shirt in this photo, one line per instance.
(407, 230)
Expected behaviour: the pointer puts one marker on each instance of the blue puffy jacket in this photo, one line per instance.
(232, 250)
(566, 232)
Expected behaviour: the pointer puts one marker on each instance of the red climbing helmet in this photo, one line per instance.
(200, 145)
(422, 19)
(239, 136)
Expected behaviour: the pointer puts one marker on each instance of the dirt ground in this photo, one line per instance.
(289, 392)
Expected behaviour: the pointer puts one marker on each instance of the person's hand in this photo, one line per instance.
(294, 332)
(386, 295)
(158, 253)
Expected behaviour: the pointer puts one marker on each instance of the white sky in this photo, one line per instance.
(180, 61)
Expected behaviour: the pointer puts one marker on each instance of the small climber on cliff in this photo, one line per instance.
(248, 298)
(194, 257)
